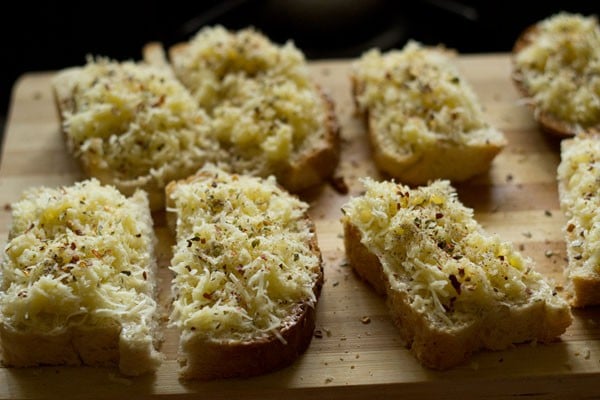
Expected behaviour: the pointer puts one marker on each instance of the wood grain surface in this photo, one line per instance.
(355, 352)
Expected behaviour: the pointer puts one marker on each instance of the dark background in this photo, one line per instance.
(55, 35)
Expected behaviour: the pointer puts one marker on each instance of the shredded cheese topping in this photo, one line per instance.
(431, 248)
(579, 184)
(560, 67)
(135, 120)
(416, 97)
(79, 255)
(265, 110)
(243, 263)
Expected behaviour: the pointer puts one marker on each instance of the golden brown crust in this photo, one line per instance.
(547, 121)
(203, 359)
(440, 346)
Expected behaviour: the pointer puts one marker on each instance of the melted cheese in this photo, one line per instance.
(431, 248)
(265, 110)
(79, 255)
(579, 184)
(416, 97)
(137, 119)
(560, 67)
(242, 261)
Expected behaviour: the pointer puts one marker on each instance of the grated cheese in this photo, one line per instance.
(579, 185)
(431, 248)
(242, 261)
(417, 97)
(560, 67)
(135, 120)
(79, 255)
(265, 111)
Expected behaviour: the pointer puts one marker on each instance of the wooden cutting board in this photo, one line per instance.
(355, 352)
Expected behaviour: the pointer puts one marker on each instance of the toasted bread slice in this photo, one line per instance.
(77, 283)
(132, 125)
(424, 121)
(555, 67)
(451, 289)
(579, 193)
(267, 114)
(247, 274)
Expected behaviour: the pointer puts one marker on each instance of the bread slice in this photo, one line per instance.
(579, 193)
(555, 67)
(78, 280)
(424, 120)
(132, 125)
(267, 114)
(451, 289)
(247, 274)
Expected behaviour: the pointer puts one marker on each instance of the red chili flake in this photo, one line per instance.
(455, 283)
(570, 228)
(75, 258)
(438, 215)
(73, 246)
(207, 296)
(145, 275)
(96, 253)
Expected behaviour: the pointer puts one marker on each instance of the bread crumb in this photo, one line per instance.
(338, 183)
(329, 379)
(509, 178)
(352, 366)
(343, 338)
(335, 283)
(327, 331)
(528, 235)
(587, 354)
(521, 247)
(7, 207)
(365, 320)
(318, 334)
(548, 253)
(547, 213)
(357, 356)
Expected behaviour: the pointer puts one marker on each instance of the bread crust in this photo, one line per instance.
(549, 123)
(312, 167)
(204, 358)
(443, 347)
